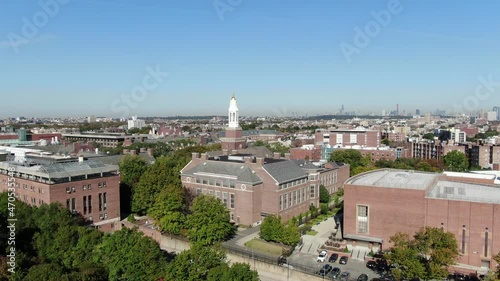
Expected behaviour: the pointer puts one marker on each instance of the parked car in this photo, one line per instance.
(334, 274)
(324, 270)
(363, 277)
(333, 258)
(343, 260)
(344, 276)
(322, 256)
(371, 264)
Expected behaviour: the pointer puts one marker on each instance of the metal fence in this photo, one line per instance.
(249, 253)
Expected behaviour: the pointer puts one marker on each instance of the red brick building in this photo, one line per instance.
(306, 152)
(89, 188)
(255, 187)
(379, 203)
(340, 138)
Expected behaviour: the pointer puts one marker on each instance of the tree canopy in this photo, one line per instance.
(324, 195)
(157, 177)
(272, 229)
(456, 161)
(194, 264)
(237, 272)
(131, 169)
(426, 255)
(129, 255)
(209, 221)
(169, 210)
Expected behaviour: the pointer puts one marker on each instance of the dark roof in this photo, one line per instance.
(285, 171)
(239, 170)
(306, 165)
(257, 151)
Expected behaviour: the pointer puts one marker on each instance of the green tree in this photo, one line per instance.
(209, 221)
(348, 156)
(195, 264)
(456, 161)
(386, 142)
(291, 233)
(129, 255)
(324, 195)
(497, 260)
(46, 272)
(237, 272)
(424, 166)
(169, 209)
(271, 228)
(427, 255)
(428, 136)
(163, 172)
(132, 167)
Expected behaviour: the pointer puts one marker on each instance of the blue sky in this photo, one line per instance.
(279, 57)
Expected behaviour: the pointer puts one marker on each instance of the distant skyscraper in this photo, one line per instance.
(136, 123)
(417, 112)
(497, 110)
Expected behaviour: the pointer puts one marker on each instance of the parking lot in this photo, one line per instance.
(354, 267)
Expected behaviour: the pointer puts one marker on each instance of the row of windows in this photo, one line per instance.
(87, 203)
(214, 182)
(292, 183)
(32, 200)
(217, 194)
(328, 179)
(293, 198)
(85, 187)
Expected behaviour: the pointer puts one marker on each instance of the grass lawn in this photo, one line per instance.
(311, 232)
(263, 246)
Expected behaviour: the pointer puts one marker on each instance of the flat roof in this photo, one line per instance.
(61, 170)
(102, 136)
(390, 178)
(461, 191)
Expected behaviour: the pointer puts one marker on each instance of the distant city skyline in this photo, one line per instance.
(89, 56)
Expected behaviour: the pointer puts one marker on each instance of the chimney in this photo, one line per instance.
(142, 150)
(287, 156)
(80, 158)
(133, 152)
(277, 155)
(150, 152)
(260, 161)
(204, 156)
(195, 155)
